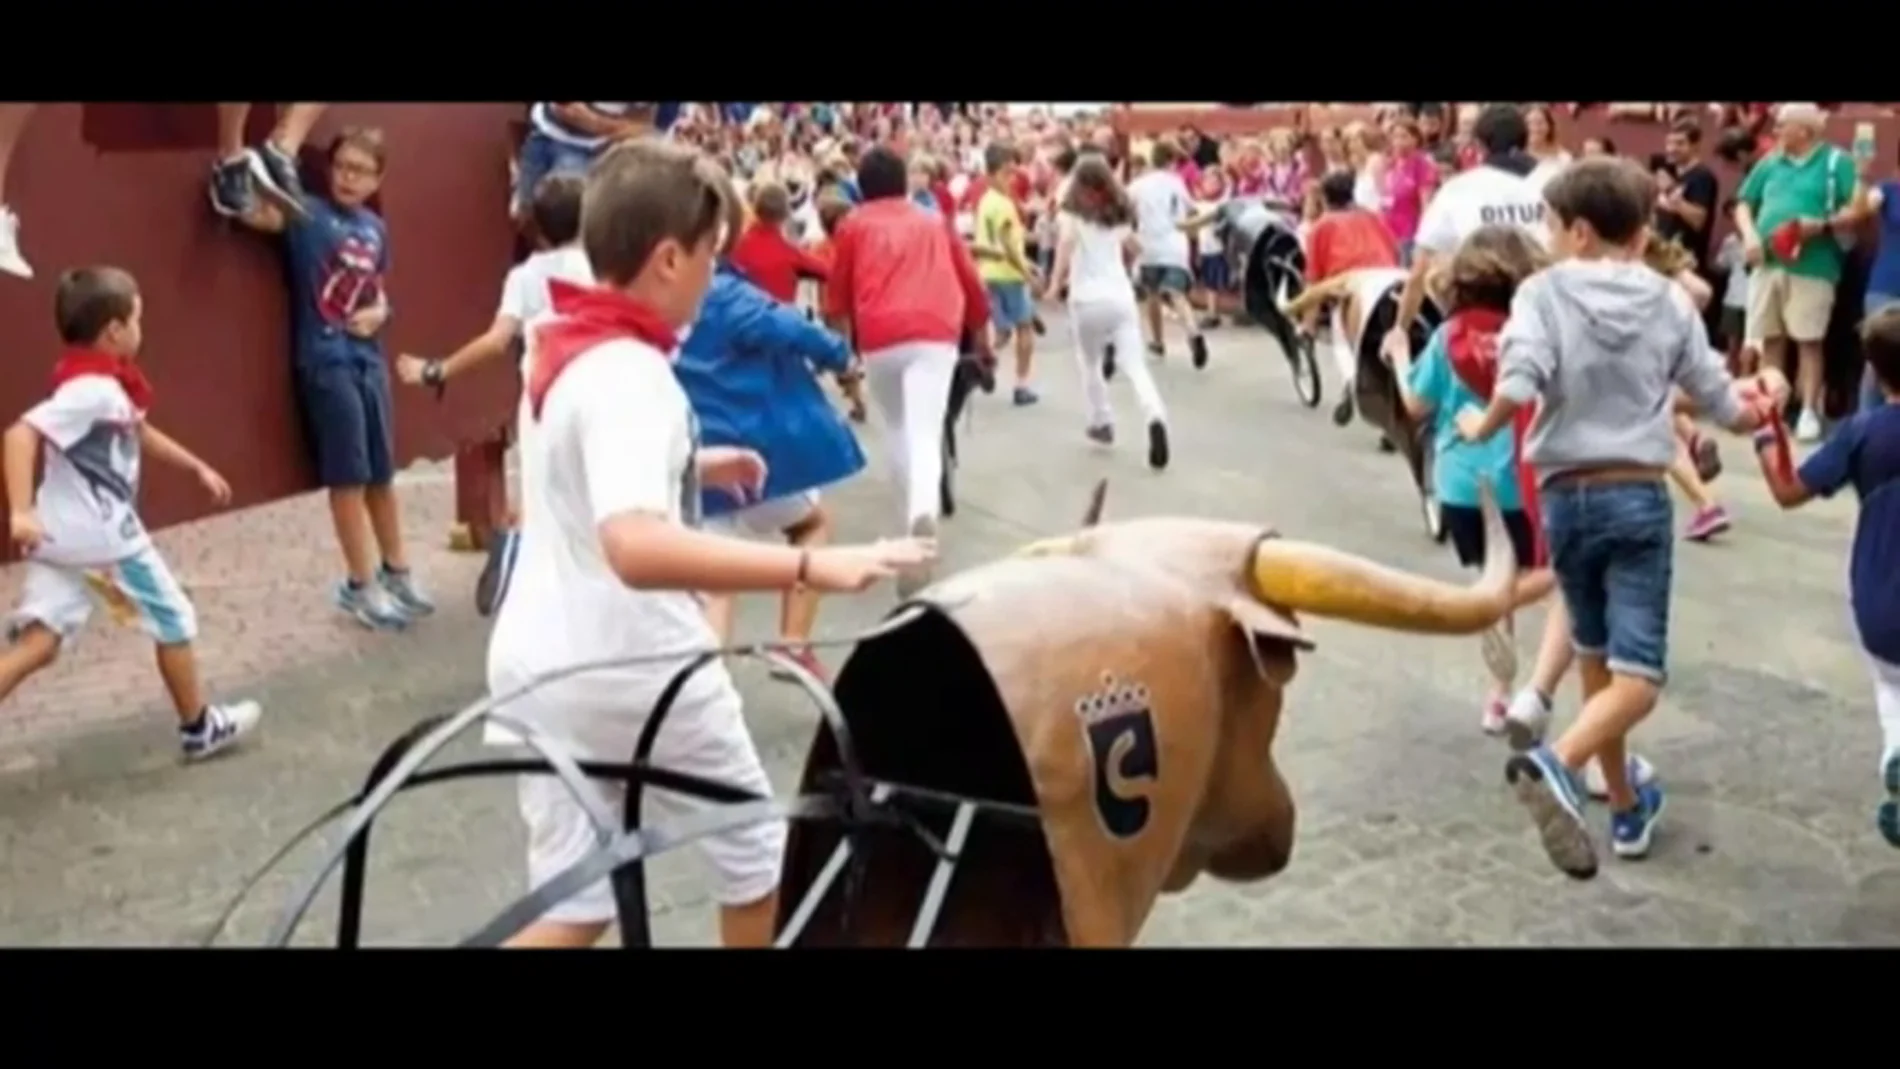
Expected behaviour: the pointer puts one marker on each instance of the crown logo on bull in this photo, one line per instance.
(1113, 700)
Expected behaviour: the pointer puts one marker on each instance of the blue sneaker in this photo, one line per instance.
(401, 587)
(1554, 798)
(371, 605)
(1888, 815)
(1631, 830)
(233, 193)
(492, 585)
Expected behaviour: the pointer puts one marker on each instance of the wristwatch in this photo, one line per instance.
(432, 373)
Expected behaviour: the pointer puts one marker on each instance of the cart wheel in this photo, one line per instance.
(1305, 371)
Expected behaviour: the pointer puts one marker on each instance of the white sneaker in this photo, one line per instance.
(1641, 774)
(1493, 720)
(1526, 720)
(219, 729)
(10, 259)
(1808, 427)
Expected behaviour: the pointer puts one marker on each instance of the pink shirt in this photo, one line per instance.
(1251, 182)
(1286, 181)
(1402, 201)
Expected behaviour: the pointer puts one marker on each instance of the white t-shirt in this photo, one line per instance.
(1097, 271)
(1161, 203)
(524, 294)
(88, 498)
(1546, 170)
(616, 435)
(1477, 198)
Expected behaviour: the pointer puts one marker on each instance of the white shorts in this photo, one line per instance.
(768, 519)
(139, 591)
(705, 735)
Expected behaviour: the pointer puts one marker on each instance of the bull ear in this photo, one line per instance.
(1273, 637)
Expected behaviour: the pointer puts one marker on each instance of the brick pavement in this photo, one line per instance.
(1407, 837)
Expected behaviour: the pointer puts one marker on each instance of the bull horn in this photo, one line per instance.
(1306, 577)
(1097, 500)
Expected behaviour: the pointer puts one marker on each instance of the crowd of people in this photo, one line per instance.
(717, 292)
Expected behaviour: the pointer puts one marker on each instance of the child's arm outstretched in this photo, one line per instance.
(1830, 468)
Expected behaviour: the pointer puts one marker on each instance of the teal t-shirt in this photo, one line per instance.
(1778, 189)
(1459, 466)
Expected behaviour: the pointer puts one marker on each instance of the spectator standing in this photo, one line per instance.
(1791, 204)
(1685, 213)
(1541, 126)
(1883, 279)
(1410, 179)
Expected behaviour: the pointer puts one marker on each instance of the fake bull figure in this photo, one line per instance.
(1125, 684)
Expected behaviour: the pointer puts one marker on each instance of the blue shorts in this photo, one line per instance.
(1613, 546)
(1157, 278)
(1010, 306)
(347, 421)
(541, 156)
(1213, 271)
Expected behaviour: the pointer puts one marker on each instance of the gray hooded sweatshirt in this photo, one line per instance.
(1599, 343)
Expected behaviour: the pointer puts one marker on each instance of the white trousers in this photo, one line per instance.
(910, 385)
(1098, 325)
(1345, 350)
(1887, 705)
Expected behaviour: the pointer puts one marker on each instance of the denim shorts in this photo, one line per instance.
(347, 421)
(1612, 546)
(1010, 306)
(1161, 278)
(541, 156)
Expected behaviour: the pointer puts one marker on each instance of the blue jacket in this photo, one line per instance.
(748, 368)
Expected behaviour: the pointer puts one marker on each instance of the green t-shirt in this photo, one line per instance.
(1778, 189)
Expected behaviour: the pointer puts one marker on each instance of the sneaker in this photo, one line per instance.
(1493, 719)
(233, 186)
(1640, 772)
(1888, 815)
(217, 729)
(1550, 793)
(1103, 433)
(1108, 363)
(492, 584)
(371, 605)
(1527, 718)
(1158, 445)
(912, 580)
(1708, 458)
(1632, 829)
(1342, 412)
(408, 596)
(1707, 523)
(807, 660)
(1808, 427)
(276, 174)
(1197, 349)
(1500, 655)
(10, 259)
(1023, 395)
(1209, 322)
(1157, 350)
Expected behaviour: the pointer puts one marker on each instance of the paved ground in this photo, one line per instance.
(1407, 836)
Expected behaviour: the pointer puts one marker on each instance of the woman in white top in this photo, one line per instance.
(1094, 247)
(1551, 157)
(1365, 155)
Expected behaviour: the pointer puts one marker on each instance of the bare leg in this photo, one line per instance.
(350, 518)
(35, 648)
(385, 520)
(231, 120)
(749, 926)
(1025, 353)
(719, 614)
(178, 667)
(294, 126)
(799, 611)
(1808, 367)
(13, 119)
(556, 935)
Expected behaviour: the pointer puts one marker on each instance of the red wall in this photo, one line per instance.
(126, 184)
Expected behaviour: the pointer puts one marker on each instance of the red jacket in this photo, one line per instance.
(1343, 241)
(766, 257)
(892, 269)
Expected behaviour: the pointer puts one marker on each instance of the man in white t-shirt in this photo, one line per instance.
(1165, 265)
(86, 546)
(556, 216)
(610, 560)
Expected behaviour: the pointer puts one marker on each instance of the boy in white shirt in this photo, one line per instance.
(81, 531)
(556, 215)
(609, 556)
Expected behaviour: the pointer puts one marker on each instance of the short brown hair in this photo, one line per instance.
(1488, 268)
(90, 299)
(556, 208)
(1614, 195)
(645, 191)
(1880, 342)
(365, 139)
(1164, 154)
(771, 203)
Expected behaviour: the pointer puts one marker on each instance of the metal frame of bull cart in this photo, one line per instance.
(846, 797)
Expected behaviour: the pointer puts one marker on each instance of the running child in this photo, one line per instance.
(1597, 341)
(1863, 452)
(1479, 283)
(609, 556)
(86, 546)
(555, 215)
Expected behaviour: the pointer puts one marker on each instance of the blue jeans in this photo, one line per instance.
(1613, 548)
(541, 156)
(1870, 395)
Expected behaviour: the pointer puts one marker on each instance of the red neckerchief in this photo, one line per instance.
(1471, 341)
(589, 316)
(77, 363)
